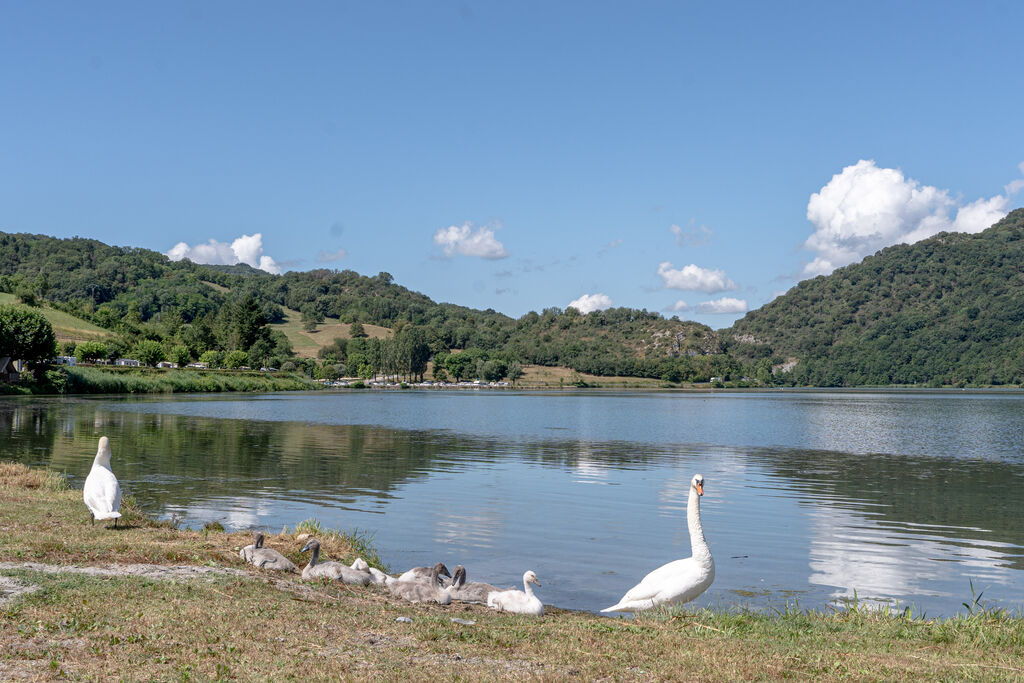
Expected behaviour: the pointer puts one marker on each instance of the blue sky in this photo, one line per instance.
(686, 158)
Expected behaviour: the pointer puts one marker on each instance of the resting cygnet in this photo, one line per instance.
(520, 602)
(421, 591)
(265, 558)
(331, 570)
(469, 592)
(424, 573)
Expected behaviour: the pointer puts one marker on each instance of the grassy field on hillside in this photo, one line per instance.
(306, 344)
(65, 327)
(231, 621)
(542, 376)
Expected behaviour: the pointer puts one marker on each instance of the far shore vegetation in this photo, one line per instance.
(944, 312)
(233, 622)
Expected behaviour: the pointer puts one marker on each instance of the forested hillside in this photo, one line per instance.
(194, 311)
(948, 310)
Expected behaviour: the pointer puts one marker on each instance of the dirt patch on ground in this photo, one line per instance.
(11, 589)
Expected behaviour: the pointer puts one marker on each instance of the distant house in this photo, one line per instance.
(65, 360)
(128, 362)
(8, 373)
(166, 364)
(201, 366)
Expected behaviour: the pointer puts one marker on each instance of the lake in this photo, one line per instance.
(811, 497)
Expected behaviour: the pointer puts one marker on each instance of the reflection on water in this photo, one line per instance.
(893, 496)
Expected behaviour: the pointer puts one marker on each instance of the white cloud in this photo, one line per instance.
(325, 257)
(1016, 185)
(464, 240)
(591, 302)
(695, 278)
(726, 304)
(692, 235)
(866, 208)
(680, 307)
(246, 249)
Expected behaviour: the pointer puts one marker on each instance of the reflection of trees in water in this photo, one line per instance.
(980, 498)
(179, 459)
(27, 431)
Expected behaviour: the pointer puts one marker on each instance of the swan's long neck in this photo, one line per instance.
(698, 544)
(527, 588)
(316, 556)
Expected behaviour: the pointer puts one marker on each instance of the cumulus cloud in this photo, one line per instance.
(694, 278)
(726, 304)
(866, 208)
(680, 307)
(462, 239)
(330, 257)
(692, 235)
(246, 249)
(591, 302)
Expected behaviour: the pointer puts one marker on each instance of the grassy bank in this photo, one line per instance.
(247, 625)
(95, 380)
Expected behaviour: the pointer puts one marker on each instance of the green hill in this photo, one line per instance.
(948, 310)
(138, 294)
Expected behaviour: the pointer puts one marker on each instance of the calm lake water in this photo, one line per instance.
(810, 496)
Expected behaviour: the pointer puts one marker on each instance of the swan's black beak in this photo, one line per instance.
(304, 548)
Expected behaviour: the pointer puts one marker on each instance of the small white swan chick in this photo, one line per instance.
(469, 592)
(519, 602)
(331, 570)
(421, 591)
(265, 558)
(102, 493)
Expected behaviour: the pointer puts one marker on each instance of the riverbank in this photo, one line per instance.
(111, 380)
(216, 618)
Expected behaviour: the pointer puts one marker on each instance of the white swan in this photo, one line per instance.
(680, 581)
(102, 493)
(265, 558)
(520, 602)
(331, 570)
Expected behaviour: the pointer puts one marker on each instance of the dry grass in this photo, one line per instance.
(543, 376)
(253, 627)
(306, 344)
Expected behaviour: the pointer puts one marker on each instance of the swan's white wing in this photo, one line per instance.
(678, 581)
(102, 493)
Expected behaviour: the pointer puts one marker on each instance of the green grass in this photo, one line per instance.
(93, 380)
(65, 326)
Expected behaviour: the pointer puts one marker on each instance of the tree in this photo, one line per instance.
(311, 317)
(212, 358)
(90, 351)
(355, 330)
(248, 321)
(26, 335)
(148, 352)
(515, 371)
(236, 359)
(180, 355)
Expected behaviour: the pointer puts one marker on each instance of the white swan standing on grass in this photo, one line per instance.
(519, 602)
(680, 581)
(102, 493)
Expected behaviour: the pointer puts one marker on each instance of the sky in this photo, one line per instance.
(693, 159)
